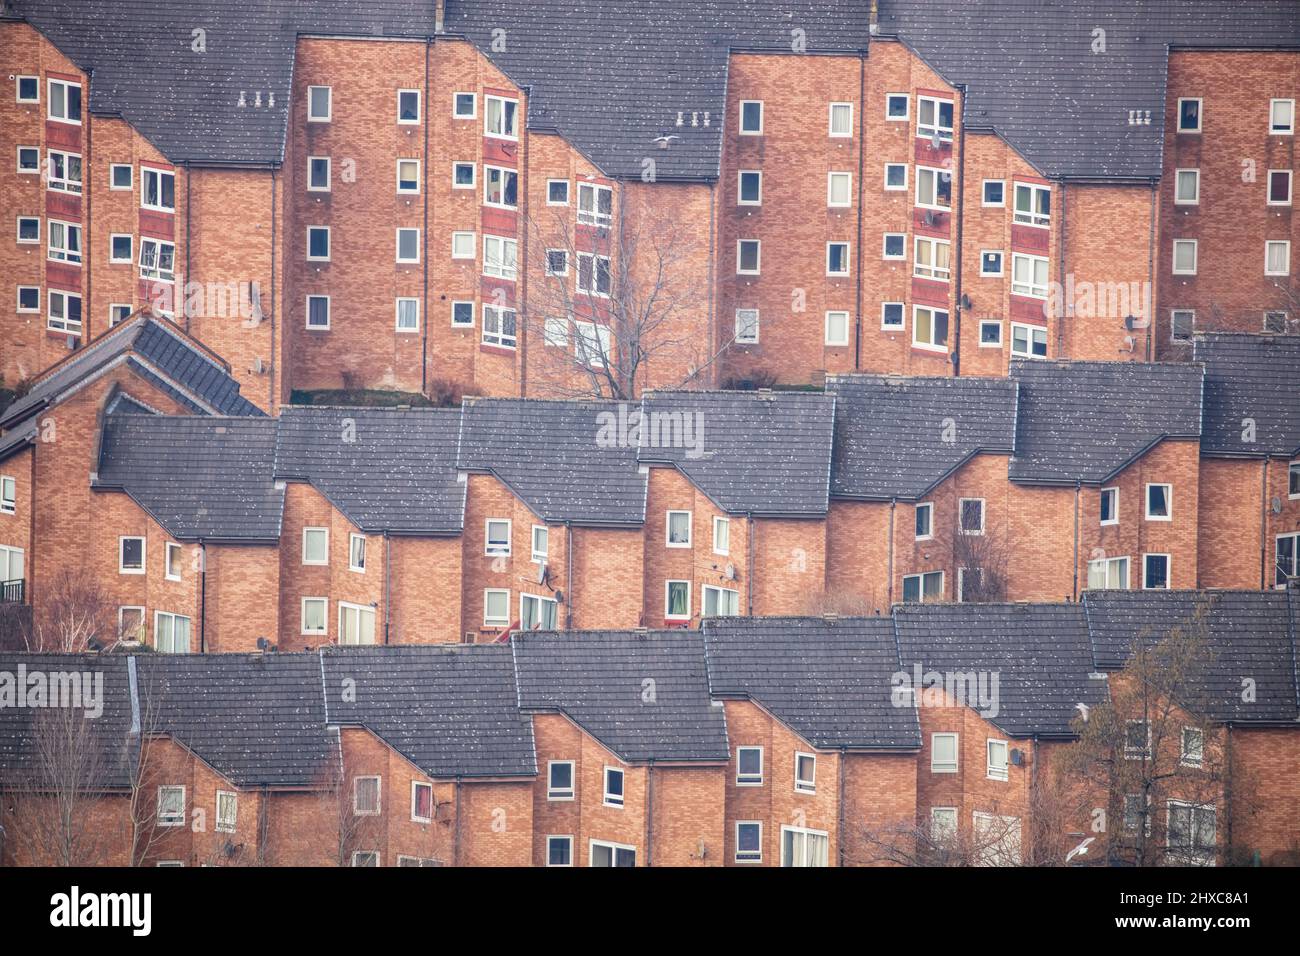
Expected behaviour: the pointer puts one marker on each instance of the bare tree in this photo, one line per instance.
(335, 784)
(76, 614)
(997, 840)
(841, 603)
(143, 796)
(979, 561)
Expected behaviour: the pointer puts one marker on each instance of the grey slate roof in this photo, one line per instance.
(899, 437)
(452, 710)
(828, 681)
(14, 441)
(1034, 78)
(1085, 421)
(643, 695)
(201, 478)
(1040, 653)
(762, 453)
(549, 453)
(386, 469)
(154, 349)
(116, 749)
(1249, 634)
(258, 720)
(1250, 377)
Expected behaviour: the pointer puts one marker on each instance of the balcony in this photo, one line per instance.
(13, 592)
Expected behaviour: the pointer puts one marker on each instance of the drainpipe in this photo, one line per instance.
(203, 597)
(1033, 792)
(455, 838)
(1151, 267)
(87, 307)
(839, 836)
(270, 385)
(30, 557)
(961, 205)
(1263, 527)
(649, 813)
(1075, 585)
(424, 258)
(749, 570)
(188, 278)
(1067, 308)
(388, 584)
(568, 575)
(712, 377)
(893, 504)
(857, 308)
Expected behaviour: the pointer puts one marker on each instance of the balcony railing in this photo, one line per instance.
(13, 592)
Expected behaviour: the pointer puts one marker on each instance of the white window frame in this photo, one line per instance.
(1285, 131)
(1290, 187)
(496, 315)
(329, 174)
(64, 252)
(227, 826)
(329, 244)
(460, 236)
(961, 508)
(61, 323)
(359, 855)
(740, 118)
(884, 246)
(832, 178)
(936, 766)
(847, 263)
(921, 577)
(171, 566)
(540, 557)
(1169, 570)
(885, 324)
(397, 314)
(325, 616)
(927, 130)
(821, 836)
(740, 187)
(753, 856)
(158, 618)
(36, 240)
(667, 604)
(419, 108)
(725, 522)
(805, 785)
(329, 105)
(668, 528)
(397, 174)
(1286, 247)
(899, 187)
(567, 838)
(64, 183)
(118, 312)
(8, 495)
(1179, 200)
(359, 612)
(593, 274)
(931, 199)
(112, 182)
(928, 346)
(146, 172)
(488, 100)
(717, 591)
(1029, 339)
(758, 257)
(986, 323)
(1186, 757)
(610, 799)
(379, 795)
(1032, 289)
(1002, 264)
(837, 315)
(932, 271)
(115, 259)
(503, 620)
(984, 201)
(1173, 324)
(504, 173)
(1195, 254)
(50, 84)
(928, 508)
(455, 102)
(1108, 567)
(1200, 114)
(947, 831)
(567, 188)
(462, 325)
(749, 779)
(151, 251)
(473, 179)
(557, 272)
(32, 170)
(488, 549)
(1169, 501)
(907, 102)
(18, 300)
(397, 245)
(747, 333)
(353, 538)
(830, 120)
(613, 851)
(144, 554)
(416, 786)
(498, 266)
(306, 319)
(589, 213)
(18, 87)
(1176, 852)
(171, 819)
(561, 794)
(996, 771)
(1033, 217)
(1113, 492)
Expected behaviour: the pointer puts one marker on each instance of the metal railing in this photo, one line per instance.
(13, 592)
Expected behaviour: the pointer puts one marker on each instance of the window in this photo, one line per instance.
(499, 326)
(462, 314)
(997, 751)
(120, 176)
(896, 106)
(894, 246)
(1134, 811)
(1281, 117)
(1193, 746)
(895, 177)
(27, 89)
(1028, 341)
(751, 117)
(462, 175)
(408, 106)
(64, 242)
(1189, 116)
(557, 262)
(934, 118)
(318, 312)
(536, 612)
(8, 495)
(118, 312)
(1275, 322)
(749, 841)
(227, 811)
(1155, 571)
(678, 529)
(408, 315)
(971, 515)
(356, 624)
(462, 245)
(157, 189)
(924, 521)
(591, 344)
(559, 780)
(943, 753)
(1108, 574)
(1277, 257)
(464, 105)
(595, 205)
(557, 192)
(611, 854)
(721, 535)
(677, 600)
(1187, 187)
(64, 101)
(922, 588)
(747, 257)
(837, 328)
(315, 545)
(500, 257)
(837, 258)
(365, 858)
(1029, 275)
(933, 188)
(839, 189)
(1181, 324)
(998, 839)
(1293, 480)
(314, 611)
(366, 796)
(800, 847)
(1033, 204)
(929, 328)
(891, 315)
(1279, 187)
(1159, 502)
(171, 633)
(805, 773)
(408, 245)
(63, 171)
(1287, 548)
(943, 824)
(320, 104)
(130, 555)
(496, 607)
(421, 801)
(593, 274)
(613, 787)
(29, 298)
(540, 543)
(1184, 257)
(990, 334)
(747, 326)
(500, 187)
(65, 312)
(120, 248)
(749, 766)
(29, 160)
(318, 174)
(749, 188)
(11, 565)
(559, 851)
(1110, 506)
(172, 554)
(995, 192)
(501, 117)
(1191, 834)
(171, 806)
(318, 243)
(29, 229)
(991, 263)
(408, 175)
(1137, 739)
(157, 260)
(356, 552)
(841, 119)
(930, 258)
(720, 602)
(496, 537)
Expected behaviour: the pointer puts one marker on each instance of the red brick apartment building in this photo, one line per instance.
(816, 741)
(566, 214)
